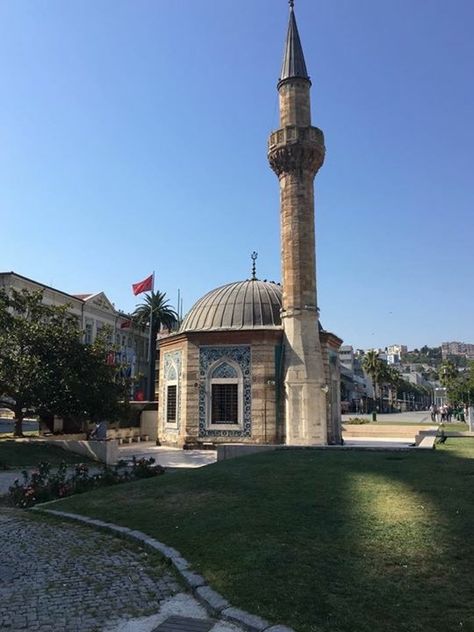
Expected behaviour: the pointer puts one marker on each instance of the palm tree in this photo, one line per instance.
(393, 380)
(373, 366)
(156, 306)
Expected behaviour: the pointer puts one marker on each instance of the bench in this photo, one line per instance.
(208, 445)
(133, 439)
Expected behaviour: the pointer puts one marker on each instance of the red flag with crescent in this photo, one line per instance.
(143, 286)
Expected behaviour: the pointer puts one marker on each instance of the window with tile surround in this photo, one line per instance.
(171, 403)
(224, 408)
(225, 392)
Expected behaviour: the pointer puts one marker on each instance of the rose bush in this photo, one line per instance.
(46, 484)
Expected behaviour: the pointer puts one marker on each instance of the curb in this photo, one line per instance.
(214, 602)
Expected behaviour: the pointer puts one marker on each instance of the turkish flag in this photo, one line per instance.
(143, 286)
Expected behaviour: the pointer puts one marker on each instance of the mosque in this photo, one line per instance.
(251, 362)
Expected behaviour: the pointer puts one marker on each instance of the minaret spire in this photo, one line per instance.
(294, 64)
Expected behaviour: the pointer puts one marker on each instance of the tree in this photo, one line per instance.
(393, 379)
(459, 384)
(156, 306)
(450, 378)
(44, 366)
(375, 368)
(470, 384)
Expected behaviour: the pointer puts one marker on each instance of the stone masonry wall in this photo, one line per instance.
(295, 103)
(298, 259)
(263, 387)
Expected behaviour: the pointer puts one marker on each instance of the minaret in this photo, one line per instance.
(296, 152)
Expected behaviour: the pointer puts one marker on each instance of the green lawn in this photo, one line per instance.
(324, 541)
(455, 426)
(23, 453)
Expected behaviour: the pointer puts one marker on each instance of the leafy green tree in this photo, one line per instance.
(470, 383)
(156, 306)
(459, 383)
(458, 360)
(44, 366)
(450, 378)
(426, 355)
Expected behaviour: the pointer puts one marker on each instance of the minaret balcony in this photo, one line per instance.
(294, 134)
(294, 150)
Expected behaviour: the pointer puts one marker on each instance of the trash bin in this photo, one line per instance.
(374, 416)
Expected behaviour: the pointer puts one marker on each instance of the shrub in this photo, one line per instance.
(144, 468)
(357, 421)
(42, 484)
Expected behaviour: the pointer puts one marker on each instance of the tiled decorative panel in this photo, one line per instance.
(172, 373)
(208, 357)
(224, 370)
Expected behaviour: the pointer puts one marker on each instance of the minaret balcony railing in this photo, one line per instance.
(294, 134)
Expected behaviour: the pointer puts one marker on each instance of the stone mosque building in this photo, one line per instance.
(251, 362)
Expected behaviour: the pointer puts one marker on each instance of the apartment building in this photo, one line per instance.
(128, 345)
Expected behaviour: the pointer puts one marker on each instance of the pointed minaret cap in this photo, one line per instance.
(293, 60)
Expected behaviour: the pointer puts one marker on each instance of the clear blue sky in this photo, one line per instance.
(133, 138)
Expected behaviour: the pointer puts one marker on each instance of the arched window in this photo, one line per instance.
(171, 395)
(225, 395)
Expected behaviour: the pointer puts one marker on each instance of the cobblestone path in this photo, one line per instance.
(58, 577)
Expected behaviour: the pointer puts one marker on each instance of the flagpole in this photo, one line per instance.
(179, 319)
(151, 386)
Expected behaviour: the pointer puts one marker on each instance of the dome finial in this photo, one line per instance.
(291, 3)
(254, 256)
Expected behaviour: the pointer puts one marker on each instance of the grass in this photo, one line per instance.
(452, 426)
(25, 453)
(390, 423)
(26, 433)
(323, 541)
(455, 426)
(405, 423)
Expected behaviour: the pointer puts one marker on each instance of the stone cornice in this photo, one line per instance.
(294, 149)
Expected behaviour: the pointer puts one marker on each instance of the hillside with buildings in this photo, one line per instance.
(416, 383)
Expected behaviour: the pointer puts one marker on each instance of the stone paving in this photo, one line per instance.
(64, 577)
(168, 457)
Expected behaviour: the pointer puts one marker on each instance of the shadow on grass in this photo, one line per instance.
(320, 540)
(18, 453)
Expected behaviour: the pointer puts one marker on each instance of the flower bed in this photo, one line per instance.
(44, 484)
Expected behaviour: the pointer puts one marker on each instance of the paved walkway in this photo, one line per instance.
(168, 457)
(414, 416)
(62, 577)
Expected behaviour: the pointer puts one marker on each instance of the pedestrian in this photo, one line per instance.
(100, 431)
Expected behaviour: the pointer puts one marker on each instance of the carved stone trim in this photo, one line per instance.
(295, 149)
(296, 158)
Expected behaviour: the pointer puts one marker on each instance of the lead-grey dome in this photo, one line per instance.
(249, 304)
